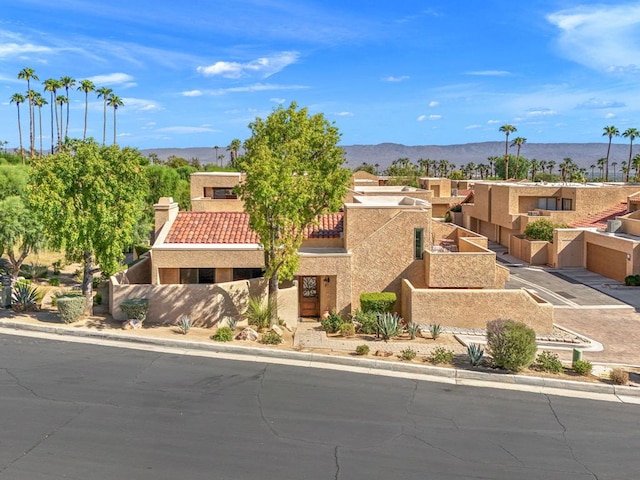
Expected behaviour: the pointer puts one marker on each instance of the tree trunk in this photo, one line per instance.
(87, 282)
(273, 298)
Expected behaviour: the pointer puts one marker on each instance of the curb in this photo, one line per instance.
(449, 375)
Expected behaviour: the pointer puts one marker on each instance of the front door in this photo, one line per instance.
(309, 297)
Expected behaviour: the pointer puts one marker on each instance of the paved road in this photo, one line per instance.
(91, 412)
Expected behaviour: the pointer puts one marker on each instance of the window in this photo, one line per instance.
(418, 243)
(197, 275)
(547, 203)
(218, 193)
(567, 204)
(246, 273)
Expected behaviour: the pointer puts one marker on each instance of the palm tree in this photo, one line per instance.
(631, 134)
(593, 175)
(39, 101)
(610, 132)
(115, 102)
(52, 85)
(625, 171)
(234, 146)
(518, 142)
(61, 100)
(104, 92)
(614, 164)
(18, 98)
(67, 82)
(636, 165)
(86, 86)
(600, 163)
(216, 149)
(550, 166)
(507, 129)
(535, 165)
(28, 74)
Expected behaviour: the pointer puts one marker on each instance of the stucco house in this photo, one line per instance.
(441, 273)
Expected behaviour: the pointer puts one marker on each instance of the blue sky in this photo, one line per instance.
(194, 74)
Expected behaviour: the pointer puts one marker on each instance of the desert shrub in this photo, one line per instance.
(408, 354)
(33, 271)
(271, 338)
(377, 301)
(632, 280)
(435, 330)
(368, 321)
(389, 325)
(441, 355)
(135, 308)
(412, 330)
(54, 281)
(619, 376)
(475, 353)
(332, 323)
(184, 324)
(141, 249)
(547, 361)
(362, 350)
(223, 334)
(71, 307)
(582, 367)
(511, 344)
(541, 230)
(259, 313)
(347, 329)
(24, 297)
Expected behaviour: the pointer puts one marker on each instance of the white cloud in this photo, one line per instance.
(489, 73)
(392, 78)
(122, 79)
(262, 67)
(17, 49)
(256, 87)
(192, 93)
(435, 117)
(277, 100)
(434, 104)
(540, 112)
(601, 37)
(472, 127)
(594, 103)
(343, 114)
(610, 115)
(493, 122)
(421, 118)
(141, 105)
(185, 130)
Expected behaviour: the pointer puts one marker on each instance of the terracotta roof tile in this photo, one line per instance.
(233, 227)
(599, 220)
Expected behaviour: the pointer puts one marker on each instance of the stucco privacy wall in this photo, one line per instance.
(474, 308)
(460, 270)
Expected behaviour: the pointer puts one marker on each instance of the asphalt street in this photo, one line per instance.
(81, 411)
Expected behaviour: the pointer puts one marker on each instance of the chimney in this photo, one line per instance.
(166, 211)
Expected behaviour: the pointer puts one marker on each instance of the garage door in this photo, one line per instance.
(607, 262)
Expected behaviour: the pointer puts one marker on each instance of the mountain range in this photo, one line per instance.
(584, 154)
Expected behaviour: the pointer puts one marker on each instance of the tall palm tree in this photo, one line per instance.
(61, 100)
(600, 163)
(518, 142)
(550, 166)
(86, 86)
(104, 92)
(115, 102)
(233, 148)
(630, 133)
(614, 164)
(534, 166)
(67, 82)
(610, 132)
(18, 98)
(28, 74)
(507, 129)
(593, 175)
(52, 85)
(636, 165)
(625, 171)
(39, 101)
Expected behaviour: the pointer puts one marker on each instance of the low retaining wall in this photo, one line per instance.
(473, 308)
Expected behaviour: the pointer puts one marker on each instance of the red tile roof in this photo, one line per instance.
(635, 199)
(599, 220)
(233, 227)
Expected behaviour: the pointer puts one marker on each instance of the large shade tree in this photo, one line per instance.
(294, 173)
(90, 198)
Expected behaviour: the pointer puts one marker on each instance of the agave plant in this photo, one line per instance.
(435, 330)
(412, 330)
(389, 325)
(475, 353)
(259, 313)
(184, 324)
(24, 297)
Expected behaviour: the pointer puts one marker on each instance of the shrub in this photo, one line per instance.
(475, 353)
(512, 345)
(135, 308)
(441, 355)
(271, 338)
(33, 271)
(408, 354)
(347, 329)
(184, 324)
(97, 299)
(332, 323)
(259, 313)
(389, 325)
(362, 350)
(435, 331)
(24, 297)
(223, 334)
(57, 265)
(71, 307)
(54, 282)
(141, 249)
(368, 321)
(582, 367)
(619, 376)
(377, 301)
(548, 362)
(541, 230)
(632, 280)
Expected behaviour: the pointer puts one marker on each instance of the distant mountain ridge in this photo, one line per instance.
(584, 154)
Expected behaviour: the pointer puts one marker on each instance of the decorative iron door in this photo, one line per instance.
(309, 297)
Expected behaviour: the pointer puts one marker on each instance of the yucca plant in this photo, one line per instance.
(412, 330)
(389, 325)
(475, 353)
(184, 324)
(24, 297)
(232, 322)
(259, 313)
(435, 330)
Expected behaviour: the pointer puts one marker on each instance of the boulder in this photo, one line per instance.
(248, 334)
(276, 329)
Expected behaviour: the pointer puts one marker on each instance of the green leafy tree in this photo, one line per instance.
(294, 173)
(507, 129)
(90, 199)
(610, 132)
(20, 232)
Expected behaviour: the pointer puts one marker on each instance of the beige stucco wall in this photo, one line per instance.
(216, 205)
(534, 252)
(631, 223)
(460, 270)
(441, 187)
(200, 180)
(474, 308)
(630, 247)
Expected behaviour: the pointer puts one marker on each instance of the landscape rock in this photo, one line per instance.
(133, 324)
(276, 329)
(382, 353)
(248, 334)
